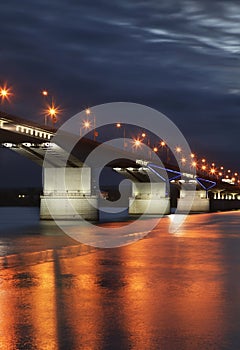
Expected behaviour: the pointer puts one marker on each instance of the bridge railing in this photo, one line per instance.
(33, 132)
(66, 194)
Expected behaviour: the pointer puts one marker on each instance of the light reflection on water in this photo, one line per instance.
(163, 292)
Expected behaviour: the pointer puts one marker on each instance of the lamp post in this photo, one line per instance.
(178, 150)
(147, 142)
(164, 146)
(51, 109)
(119, 126)
(45, 95)
(89, 113)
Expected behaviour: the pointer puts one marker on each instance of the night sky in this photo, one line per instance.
(180, 57)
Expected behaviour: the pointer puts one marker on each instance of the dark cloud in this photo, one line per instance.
(181, 57)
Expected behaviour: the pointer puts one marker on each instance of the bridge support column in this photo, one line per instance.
(149, 198)
(66, 193)
(200, 202)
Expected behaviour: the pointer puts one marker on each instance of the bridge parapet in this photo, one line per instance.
(18, 126)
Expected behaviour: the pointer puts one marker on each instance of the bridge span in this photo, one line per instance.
(155, 189)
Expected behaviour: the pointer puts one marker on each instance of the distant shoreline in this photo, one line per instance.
(20, 197)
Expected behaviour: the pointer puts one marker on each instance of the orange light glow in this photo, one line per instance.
(194, 164)
(45, 93)
(52, 111)
(183, 160)
(204, 167)
(192, 155)
(143, 134)
(118, 125)
(212, 171)
(178, 149)
(163, 143)
(86, 124)
(88, 111)
(155, 149)
(204, 160)
(137, 143)
(5, 93)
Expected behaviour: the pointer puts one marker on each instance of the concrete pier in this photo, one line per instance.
(200, 202)
(149, 199)
(67, 193)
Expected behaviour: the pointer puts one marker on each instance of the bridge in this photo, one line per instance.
(156, 189)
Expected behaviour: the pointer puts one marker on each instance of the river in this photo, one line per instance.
(165, 291)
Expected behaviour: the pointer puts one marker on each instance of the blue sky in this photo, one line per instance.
(180, 57)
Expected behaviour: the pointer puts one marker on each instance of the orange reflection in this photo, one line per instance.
(175, 291)
(79, 294)
(43, 300)
(7, 312)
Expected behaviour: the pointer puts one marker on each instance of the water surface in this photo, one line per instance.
(165, 291)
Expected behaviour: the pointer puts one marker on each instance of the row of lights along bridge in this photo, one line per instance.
(52, 111)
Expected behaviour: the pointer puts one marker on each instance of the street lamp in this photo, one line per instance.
(137, 143)
(5, 92)
(183, 160)
(146, 138)
(51, 109)
(86, 124)
(212, 171)
(88, 111)
(164, 146)
(45, 93)
(119, 126)
(178, 149)
(194, 164)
